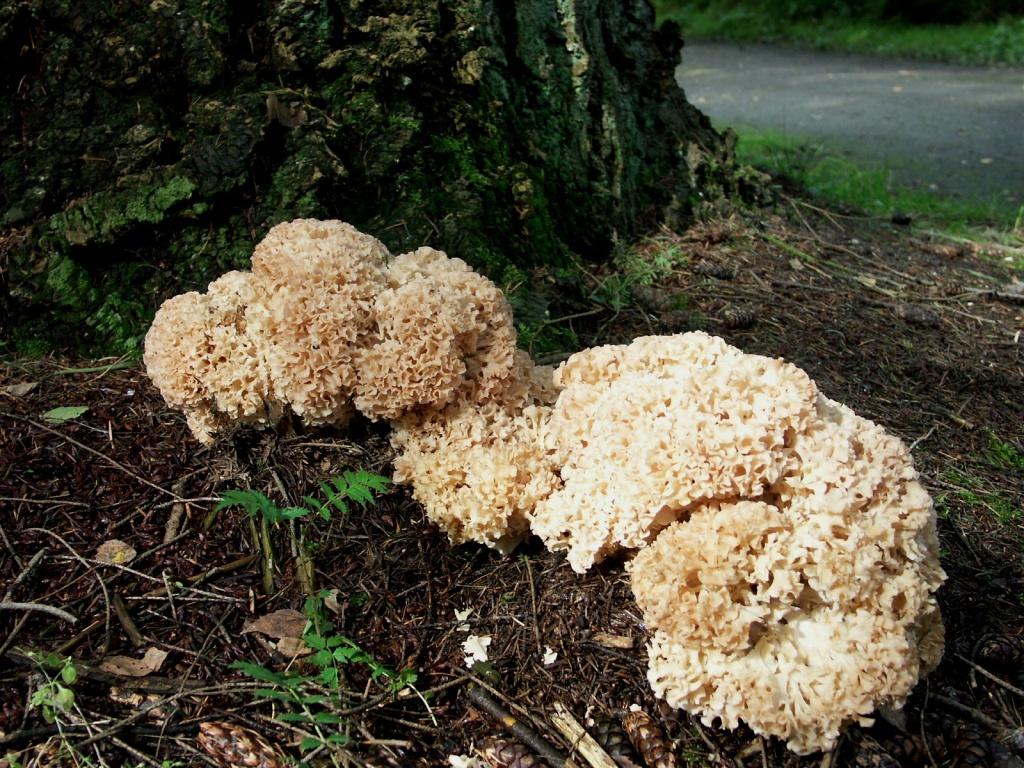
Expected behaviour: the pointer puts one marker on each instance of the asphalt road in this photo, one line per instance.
(958, 130)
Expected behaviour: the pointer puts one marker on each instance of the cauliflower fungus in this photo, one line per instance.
(282, 336)
(479, 468)
(644, 431)
(442, 328)
(787, 557)
(807, 607)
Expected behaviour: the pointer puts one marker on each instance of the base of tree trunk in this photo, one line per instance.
(146, 146)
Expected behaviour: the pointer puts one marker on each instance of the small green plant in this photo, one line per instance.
(1003, 455)
(54, 696)
(313, 699)
(615, 291)
(652, 260)
(359, 487)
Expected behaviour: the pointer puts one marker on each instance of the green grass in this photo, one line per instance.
(970, 490)
(999, 42)
(838, 181)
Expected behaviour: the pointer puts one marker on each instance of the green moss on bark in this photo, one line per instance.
(156, 141)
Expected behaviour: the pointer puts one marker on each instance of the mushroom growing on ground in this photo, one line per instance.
(786, 553)
(808, 607)
(285, 335)
(645, 431)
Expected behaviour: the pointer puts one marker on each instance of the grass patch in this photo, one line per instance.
(841, 182)
(969, 489)
(1000, 42)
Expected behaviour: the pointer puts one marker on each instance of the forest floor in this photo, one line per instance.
(921, 335)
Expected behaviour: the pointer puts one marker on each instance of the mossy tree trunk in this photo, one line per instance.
(146, 145)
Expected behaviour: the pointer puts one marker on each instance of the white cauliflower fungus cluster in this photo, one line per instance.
(786, 556)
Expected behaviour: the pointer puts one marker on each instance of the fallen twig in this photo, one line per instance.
(580, 740)
(25, 573)
(28, 657)
(511, 723)
(59, 613)
(994, 678)
(126, 621)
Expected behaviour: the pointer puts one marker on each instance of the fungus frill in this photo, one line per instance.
(807, 608)
(200, 355)
(642, 432)
(443, 330)
(282, 336)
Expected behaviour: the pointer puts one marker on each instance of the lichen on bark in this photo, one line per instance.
(147, 145)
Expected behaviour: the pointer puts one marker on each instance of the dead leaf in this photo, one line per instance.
(20, 390)
(116, 552)
(130, 667)
(279, 624)
(293, 647)
(331, 601)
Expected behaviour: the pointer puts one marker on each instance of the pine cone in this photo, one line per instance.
(999, 651)
(738, 318)
(910, 749)
(609, 734)
(502, 753)
(972, 751)
(231, 745)
(648, 739)
(871, 755)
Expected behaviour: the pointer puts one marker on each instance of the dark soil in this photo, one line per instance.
(921, 336)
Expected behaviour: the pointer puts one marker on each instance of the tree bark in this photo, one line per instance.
(147, 145)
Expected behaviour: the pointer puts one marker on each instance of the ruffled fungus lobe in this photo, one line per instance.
(200, 355)
(808, 608)
(444, 331)
(479, 467)
(320, 280)
(283, 336)
(645, 431)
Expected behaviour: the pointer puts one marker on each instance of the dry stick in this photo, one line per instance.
(580, 740)
(103, 586)
(9, 640)
(63, 615)
(148, 707)
(138, 755)
(971, 712)
(93, 451)
(990, 676)
(715, 753)
(528, 736)
(25, 573)
(205, 576)
(67, 645)
(29, 657)
(10, 548)
(58, 502)
(126, 621)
